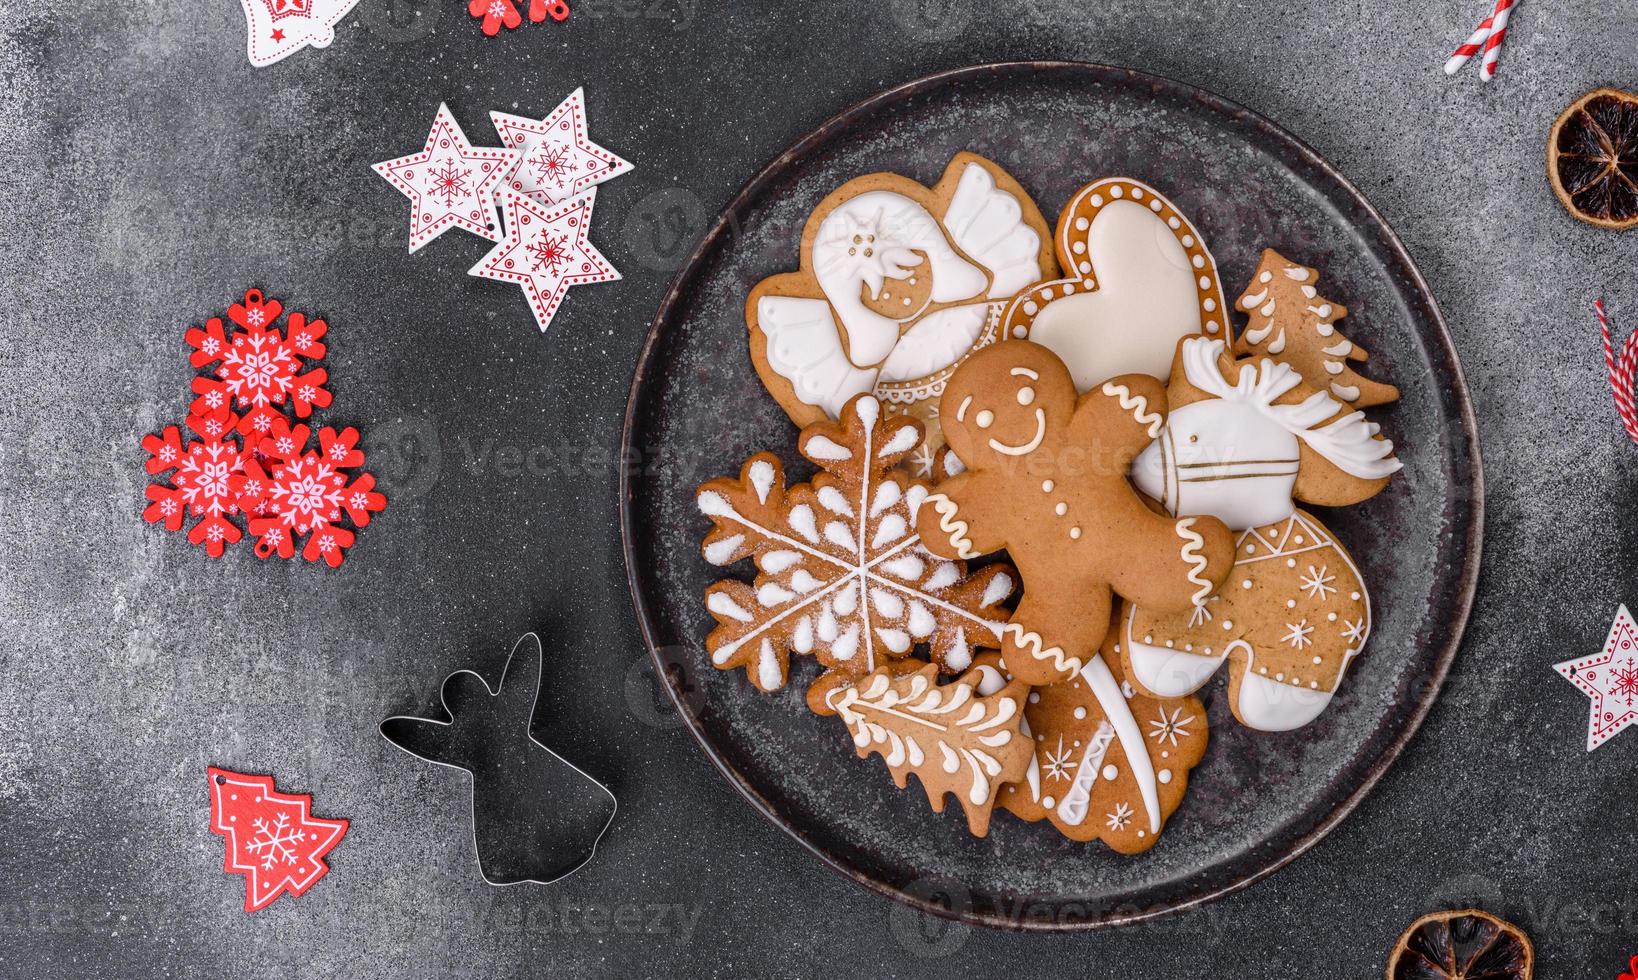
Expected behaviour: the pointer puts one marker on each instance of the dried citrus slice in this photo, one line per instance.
(1463, 945)
(1592, 158)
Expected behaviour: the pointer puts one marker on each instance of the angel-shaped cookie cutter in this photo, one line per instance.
(536, 817)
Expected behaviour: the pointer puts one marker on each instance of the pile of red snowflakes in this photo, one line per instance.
(252, 464)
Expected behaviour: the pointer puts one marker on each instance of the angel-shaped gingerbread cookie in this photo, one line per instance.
(898, 282)
(1046, 479)
(1245, 439)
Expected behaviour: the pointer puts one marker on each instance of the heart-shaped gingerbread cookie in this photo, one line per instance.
(1141, 279)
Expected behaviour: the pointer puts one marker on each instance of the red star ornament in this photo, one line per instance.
(450, 183)
(272, 838)
(1610, 679)
(558, 160)
(546, 251)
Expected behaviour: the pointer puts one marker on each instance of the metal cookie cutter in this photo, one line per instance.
(535, 816)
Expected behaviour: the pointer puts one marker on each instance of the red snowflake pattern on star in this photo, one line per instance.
(255, 471)
(562, 161)
(272, 838)
(449, 182)
(551, 163)
(1609, 678)
(546, 251)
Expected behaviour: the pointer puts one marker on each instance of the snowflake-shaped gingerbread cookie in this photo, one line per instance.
(843, 575)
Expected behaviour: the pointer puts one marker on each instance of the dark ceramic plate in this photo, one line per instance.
(697, 410)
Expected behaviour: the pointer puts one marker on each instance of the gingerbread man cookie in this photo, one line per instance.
(1046, 480)
(1244, 440)
(897, 283)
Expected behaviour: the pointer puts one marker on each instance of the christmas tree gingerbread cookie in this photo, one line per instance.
(1046, 479)
(1081, 778)
(1244, 440)
(1138, 277)
(1292, 323)
(897, 283)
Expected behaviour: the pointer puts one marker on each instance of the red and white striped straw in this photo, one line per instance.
(1621, 371)
(1498, 34)
(1468, 48)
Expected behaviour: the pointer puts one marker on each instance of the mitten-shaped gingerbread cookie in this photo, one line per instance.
(1046, 480)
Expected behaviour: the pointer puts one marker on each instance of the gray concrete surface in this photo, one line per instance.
(148, 174)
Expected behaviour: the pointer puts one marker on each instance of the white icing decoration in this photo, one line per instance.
(1277, 703)
(768, 675)
(902, 441)
(1145, 302)
(824, 448)
(723, 604)
(804, 348)
(1072, 809)
(835, 501)
(722, 551)
(1137, 405)
(1348, 442)
(1026, 448)
(988, 224)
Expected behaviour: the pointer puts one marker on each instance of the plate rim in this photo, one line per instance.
(1438, 335)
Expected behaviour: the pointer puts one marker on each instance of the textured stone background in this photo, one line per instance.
(147, 174)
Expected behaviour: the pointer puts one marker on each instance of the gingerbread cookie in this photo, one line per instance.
(1082, 778)
(1243, 441)
(897, 284)
(1046, 480)
(1138, 278)
(842, 574)
(962, 738)
(1292, 323)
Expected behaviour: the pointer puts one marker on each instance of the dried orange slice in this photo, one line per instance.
(1592, 158)
(1464, 945)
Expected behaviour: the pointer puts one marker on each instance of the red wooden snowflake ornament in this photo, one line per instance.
(272, 838)
(254, 468)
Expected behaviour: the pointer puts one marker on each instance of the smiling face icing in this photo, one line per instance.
(1000, 424)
